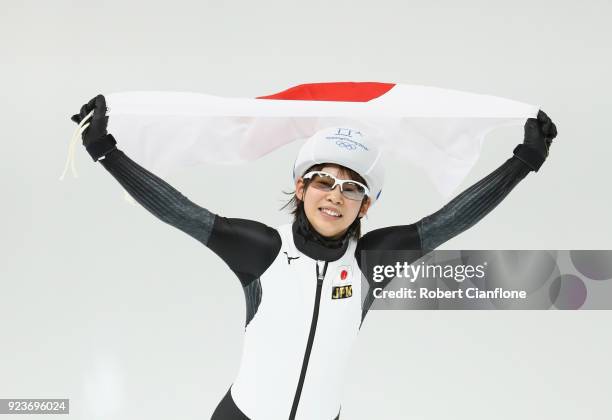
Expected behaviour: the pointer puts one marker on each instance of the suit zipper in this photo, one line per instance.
(313, 328)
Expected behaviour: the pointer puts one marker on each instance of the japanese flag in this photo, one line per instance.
(438, 130)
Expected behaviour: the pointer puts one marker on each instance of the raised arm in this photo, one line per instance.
(158, 197)
(248, 247)
(465, 210)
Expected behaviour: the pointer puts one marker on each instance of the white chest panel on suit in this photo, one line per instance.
(295, 349)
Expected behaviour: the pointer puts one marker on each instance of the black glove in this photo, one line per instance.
(539, 134)
(95, 137)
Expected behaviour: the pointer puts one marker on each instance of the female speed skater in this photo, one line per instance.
(302, 280)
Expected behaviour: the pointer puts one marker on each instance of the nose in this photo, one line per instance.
(335, 195)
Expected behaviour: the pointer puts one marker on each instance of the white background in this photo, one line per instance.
(131, 319)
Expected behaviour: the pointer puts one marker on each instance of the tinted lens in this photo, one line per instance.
(322, 182)
(353, 191)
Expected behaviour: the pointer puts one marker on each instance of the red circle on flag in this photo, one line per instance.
(343, 275)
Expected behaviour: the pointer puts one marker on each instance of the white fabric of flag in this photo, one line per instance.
(438, 130)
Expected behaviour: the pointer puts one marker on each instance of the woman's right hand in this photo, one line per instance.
(96, 139)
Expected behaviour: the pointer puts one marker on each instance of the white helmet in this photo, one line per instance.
(348, 147)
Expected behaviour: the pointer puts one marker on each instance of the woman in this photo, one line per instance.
(302, 281)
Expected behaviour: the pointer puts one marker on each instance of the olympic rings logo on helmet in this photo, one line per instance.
(346, 145)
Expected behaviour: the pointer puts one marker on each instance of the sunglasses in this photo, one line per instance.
(350, 189)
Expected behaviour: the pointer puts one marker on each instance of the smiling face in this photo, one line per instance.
(329, 212)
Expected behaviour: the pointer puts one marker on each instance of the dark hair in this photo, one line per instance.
(297, 206)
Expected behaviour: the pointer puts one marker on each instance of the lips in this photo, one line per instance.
(330, 212)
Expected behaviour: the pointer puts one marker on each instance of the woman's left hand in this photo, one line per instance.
(539, 133)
